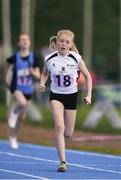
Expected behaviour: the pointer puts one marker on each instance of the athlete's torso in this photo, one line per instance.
(63, 72)
(24, 81)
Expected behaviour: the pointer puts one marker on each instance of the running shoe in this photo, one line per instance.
(62, 167)
(13, 142)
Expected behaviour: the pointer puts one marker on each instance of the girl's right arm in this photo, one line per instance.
(43, 79)
(7, 75)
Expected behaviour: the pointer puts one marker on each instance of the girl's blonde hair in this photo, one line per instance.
(71, 34)
(52, 43)
(68, 32)
(53, 39)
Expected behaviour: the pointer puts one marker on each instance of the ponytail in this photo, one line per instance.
(74, 48)
(71, 34)
(52, 43)
(53, 39)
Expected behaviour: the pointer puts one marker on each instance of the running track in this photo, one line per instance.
(40, 162)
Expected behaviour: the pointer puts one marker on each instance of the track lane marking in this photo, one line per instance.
(23, 174)
(53, 161)
(32, 162)
(67, 150)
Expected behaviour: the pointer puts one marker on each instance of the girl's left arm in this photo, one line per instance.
(84, 70)
(35, 72)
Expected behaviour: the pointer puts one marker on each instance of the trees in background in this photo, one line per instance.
(6, 24)
(47, 17)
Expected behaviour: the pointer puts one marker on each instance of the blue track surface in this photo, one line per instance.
(40, 162)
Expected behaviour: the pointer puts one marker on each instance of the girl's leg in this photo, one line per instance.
(19, 123)
(21, 104)
(14, 131)
(20, 98)
(58, 114)
(69, 120)
(17, 115)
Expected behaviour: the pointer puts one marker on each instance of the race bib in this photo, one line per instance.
(62, 80)
(23, 77)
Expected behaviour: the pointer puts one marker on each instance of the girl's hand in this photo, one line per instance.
(42, 87)
(31, 70)
(87, 100)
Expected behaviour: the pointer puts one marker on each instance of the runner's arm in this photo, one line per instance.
(88, 79)
(43, 79)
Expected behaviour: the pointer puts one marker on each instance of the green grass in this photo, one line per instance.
(3, 113)
(103, 126)
(82, 111)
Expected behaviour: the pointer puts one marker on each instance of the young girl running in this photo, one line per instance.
(25, 67)
(63, 65)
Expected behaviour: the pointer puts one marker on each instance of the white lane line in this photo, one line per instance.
(22, 162)
(68, 150)
(23, 174)
(97, 169)
(73, 151)
(33, 162)
(53, 161)
(95, 154)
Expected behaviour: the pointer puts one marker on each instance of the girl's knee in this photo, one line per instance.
(23, 107)
(20, 108)
(59, 128)
(68, 135)
(24, 104)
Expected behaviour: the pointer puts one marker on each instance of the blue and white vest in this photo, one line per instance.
(24, 80)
